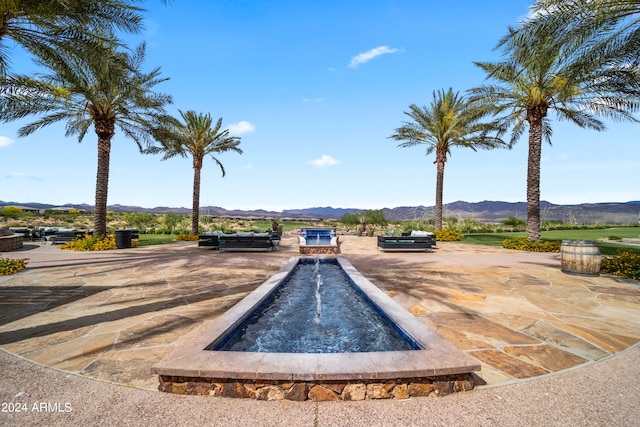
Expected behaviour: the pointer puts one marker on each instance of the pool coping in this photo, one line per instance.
(438, 357)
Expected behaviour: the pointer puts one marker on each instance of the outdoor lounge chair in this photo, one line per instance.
(416, 241)
(246, 242)
(209, 239)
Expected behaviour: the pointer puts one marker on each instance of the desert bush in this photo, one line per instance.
(468, 225)
(92, 243)
(140, 220)
(186, 236)
(418, 224)
(11, 266)
(451, 221)
(524, 244)
(624, 264)
(515, 223)
(12, 212)
(448, 235)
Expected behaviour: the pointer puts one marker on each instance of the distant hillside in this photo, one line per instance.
(486, 211)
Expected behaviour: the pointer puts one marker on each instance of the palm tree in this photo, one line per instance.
(41, 26)
(86, 91)
(194, 137)
(546, 71)
(615, 21)
(446, 123)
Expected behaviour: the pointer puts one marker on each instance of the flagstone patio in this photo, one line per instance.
(112, 315)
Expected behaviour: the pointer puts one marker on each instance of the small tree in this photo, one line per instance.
(350, 221)
(374, 218)
(170, 220)
(139, 220)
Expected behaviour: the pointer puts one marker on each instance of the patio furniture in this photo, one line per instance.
(65, 235)
(414, 242)
(209, 239)
(249, 241)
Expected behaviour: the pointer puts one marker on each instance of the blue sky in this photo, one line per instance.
(314, 89)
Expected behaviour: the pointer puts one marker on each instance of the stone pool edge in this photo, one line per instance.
(439, 368)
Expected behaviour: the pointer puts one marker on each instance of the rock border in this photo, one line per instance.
(403, 388)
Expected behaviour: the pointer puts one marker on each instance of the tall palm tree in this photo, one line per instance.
(90, 91)
(604, 31)
(194, 137)
(545, 71)
(62, 24)
(446, 123)
(615, 21)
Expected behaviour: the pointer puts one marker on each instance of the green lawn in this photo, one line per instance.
(606, 248)
(155, 239)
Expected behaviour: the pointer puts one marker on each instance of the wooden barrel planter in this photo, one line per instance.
(580, 257)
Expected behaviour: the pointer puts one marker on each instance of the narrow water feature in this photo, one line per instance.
(429, 365)
(316, 310)
(318, 278)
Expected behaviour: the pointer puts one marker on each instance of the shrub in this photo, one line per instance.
(423, 225)
(4, 232)
(186, 236)
(624, 264)
(524, 244)
(469, 225)
(448, 235)
(11, 212)
(11, 266)
(615, 238)
(92, 243)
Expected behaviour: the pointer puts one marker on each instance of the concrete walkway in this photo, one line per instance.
(110, 316)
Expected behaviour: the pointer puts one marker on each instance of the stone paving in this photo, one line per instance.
(112, 315)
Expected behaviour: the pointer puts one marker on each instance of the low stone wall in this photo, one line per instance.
(319, 250)
(11, 243)
(337, 390)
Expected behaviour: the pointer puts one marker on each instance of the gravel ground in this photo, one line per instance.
(602, 394)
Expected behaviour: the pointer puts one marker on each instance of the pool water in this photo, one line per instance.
(317, 309)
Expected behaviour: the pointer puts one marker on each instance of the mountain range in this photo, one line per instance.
(486, 211)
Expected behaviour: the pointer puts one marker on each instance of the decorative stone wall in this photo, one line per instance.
(319, 250)
(11, 243)
(318, 391)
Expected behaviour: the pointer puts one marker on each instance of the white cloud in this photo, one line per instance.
(4, 141)
(369, 55)
(19, 175)
(325, 160)
(241, 127)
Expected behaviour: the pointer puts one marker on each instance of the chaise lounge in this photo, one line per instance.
(414, 242)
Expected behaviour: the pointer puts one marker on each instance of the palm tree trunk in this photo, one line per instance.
(441, 158)
(533, 176)
(102, 186)
(195, 207)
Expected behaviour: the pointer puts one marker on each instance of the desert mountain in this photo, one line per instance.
(486, 211)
